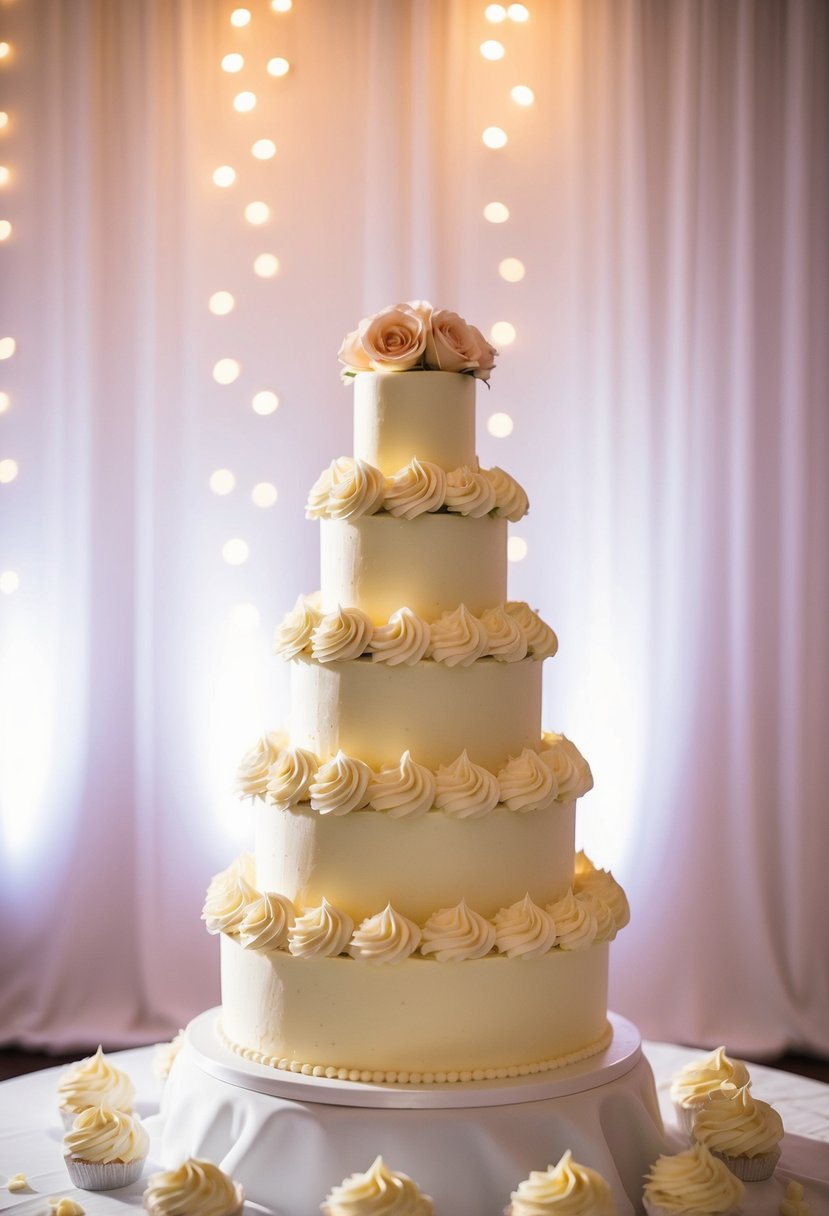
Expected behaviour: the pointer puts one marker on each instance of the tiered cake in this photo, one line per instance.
(415, 909)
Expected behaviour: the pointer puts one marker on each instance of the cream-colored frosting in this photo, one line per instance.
(228, 897)
(266, 922)
(320, 932)
(601, 913)
(510, 498)
(340, 636)
(387, 937)
(507, 641)
(359, 492)
(196, 1186)
(734, 1123)
(458, 933)
(568, 765)
(340, 786)
(405, 791)
(17, 1182)
(378, 1192)
(416, 489)
(465, 790)
(428, 414)
(339, 470)
(290, 776)
(524, 930)
(165, 1055)
(64, 1206)
(568, 1189)
(693, 1182)
(104, 1134)
(541, 639)
(95, 1080)
(252, 774)
(588, 880)
(527, 784)
(293, 634)
(469, 492)
(458, 638)
(576, 926)
(404, 639)
(794, 1203)
(700, 1078)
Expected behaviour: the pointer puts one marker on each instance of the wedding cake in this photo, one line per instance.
(414, 910)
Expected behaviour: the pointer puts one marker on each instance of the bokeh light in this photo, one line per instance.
(278, 66)
(233, 62)
(9, 582)
(496, 213)
(266, 265)
(8, 470)
(222, 481)
(221, 303)
(264, 149)
(235, 551)
(503, 333)
(240, 17)
(512, 270)
(244, 102)
(492, 49)
(225, 371)
(224, 176)
(264, 494)
(257, 213)
(500, 425)
(516, 549)
(522, 95)
(264, 402)
(494, 137)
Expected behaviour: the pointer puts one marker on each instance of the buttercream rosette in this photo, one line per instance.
(378, 1192)
(105, 1149)
(566, 1189)
(91, 1082)
(742, 1131)
(196, 1186)
(693, 1183)
(694, 1084)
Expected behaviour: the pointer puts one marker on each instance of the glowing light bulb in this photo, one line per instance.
(240, 17)
(516, 549)
(496, 213)
(264, 402)
(9, 582)
(503, 333)
(494, 137)
(222, 481)
(495, 13)
(264, 494)
(221, 303)
(7, 348)
(257, 213)
(5, 175)
(278, 66)
(266, 265)
(511, 269)
(244, 102)
(5, 230)
(233, 62)
(492, 49)
(499, 425)
(518, 12)
(8, 471)
(225, 371)
(5, 402)
(235, 551)
(282, 6)
(522, 95)
(224, 176)
(264, 149)
(5, 50)
(244, 616)
(4, 120)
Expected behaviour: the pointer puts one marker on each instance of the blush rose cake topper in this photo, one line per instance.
(416, 337)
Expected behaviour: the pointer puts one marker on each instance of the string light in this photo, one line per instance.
(244, 616)
(7, 348)
(522, 95)
(225, 371)
(264, 402)
(492, 50)
(257, 213)
(494, 137)
(516, 549)
(503, 333)
(5, 402)
(282, 6)
(221, 303)
(5, 175)
(5, 230)
(234, 62)
(266, 265)
(244, 102)
(499, 425)
(224, 176)
(496, 213)
(5, 50)
(235, 551)
(511, 269)
(278, 66)
(4, 120)
(518, 13)
(495, 13)
(264, 494)
(240, 17)
(9, 582)
(8, 470)
(264, 149)
(222, 481)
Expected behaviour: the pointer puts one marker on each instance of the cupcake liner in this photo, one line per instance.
(751, 1169)
(685, 1116)
(103, 1175)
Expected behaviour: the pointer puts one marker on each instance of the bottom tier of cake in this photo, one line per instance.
(418, 1020)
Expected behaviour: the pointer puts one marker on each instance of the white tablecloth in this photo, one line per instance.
(31, 1134)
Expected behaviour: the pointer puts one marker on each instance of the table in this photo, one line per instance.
(30, 1135)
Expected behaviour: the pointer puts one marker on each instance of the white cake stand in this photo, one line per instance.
(290, 1138)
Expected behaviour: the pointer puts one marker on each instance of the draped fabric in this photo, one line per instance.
(668, 386)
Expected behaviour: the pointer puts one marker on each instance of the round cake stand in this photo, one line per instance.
(290, 1138)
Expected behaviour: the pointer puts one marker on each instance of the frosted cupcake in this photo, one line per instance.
(165, 1055)
(693, 1183)
(379, 1189)
(741, 1130)
(105, 1149)
(92, 1082)
(197, 1186)
(566, 1189)
(693, 1086)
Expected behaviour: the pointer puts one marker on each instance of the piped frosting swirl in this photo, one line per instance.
(693, 1182)
(387, 937)
(103, 1134)
(252, 773)
(321, 932)
(576, 926)
(511, 501)
(568, 766)
(455, 934)
(735, 1124)
(416, 489)
(541, 639)
(469, 492)
(340, 786)
(340, 636)
(465, 790)
(404, 791)
(566, 1189)
(195, 1186)
(405, 639)
(290, 776)
(524, 930)
(293, 634)
(527, 784)
(93, 1081)
(266, 921)
(458, 638)
(378, 1192)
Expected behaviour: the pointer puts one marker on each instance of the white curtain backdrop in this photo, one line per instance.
(668, 384)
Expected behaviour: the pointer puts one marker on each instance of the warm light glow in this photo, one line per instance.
(5, 50)
(278, 66)
(492, 49)
(264, 149)
(221, 303)
(224, 176)
(8, 470)
(5, 402)
(240, 17)
(264, 494)
(5, 230)
(5, 174)
(495, 13)
(235, 551)
(27, 731)
(511, 269)
(499, 425)
(225, 371)
(244, 102)
(233, 62)
(7, 348)
(523, 95)
(244, 616)
(222, 481)
(496, 213)
(502, 333)
(4, 119)
(494, 137)
(266, 265)
(516, 549)
(257, 213)
(518, 12)
(282, 6)
(9, 582)
(264, 402)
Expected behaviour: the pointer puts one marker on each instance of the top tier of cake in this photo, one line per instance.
(429, 416)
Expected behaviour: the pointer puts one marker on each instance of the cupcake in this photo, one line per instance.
(742, 1131)
(693, 1085)
(165, 1055)
(197, 1186)
(693, 1183)
(379, 1188)
(91, 1082)
(105, 1149)
(567, 1188)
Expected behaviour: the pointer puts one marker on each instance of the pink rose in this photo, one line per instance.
(392, 340)
(351, 353)
(453, 345)
(486, 362)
